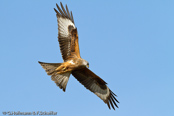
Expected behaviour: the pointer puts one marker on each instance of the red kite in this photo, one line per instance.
(73, 63)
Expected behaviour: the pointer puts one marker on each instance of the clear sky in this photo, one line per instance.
(128, 43)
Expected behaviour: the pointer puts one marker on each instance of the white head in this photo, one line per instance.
(85, 63)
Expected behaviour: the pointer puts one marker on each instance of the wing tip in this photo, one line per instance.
(62, 12)
(111, 101)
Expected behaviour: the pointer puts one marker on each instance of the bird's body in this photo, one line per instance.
(70, 65)
(73, 63)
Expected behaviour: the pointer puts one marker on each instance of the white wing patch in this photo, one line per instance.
(63, 24)
(103, 94)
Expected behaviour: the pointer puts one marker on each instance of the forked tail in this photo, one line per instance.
(61, 80)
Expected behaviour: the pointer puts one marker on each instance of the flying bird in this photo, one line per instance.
(73, 63)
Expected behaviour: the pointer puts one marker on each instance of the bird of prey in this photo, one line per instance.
(73, 63)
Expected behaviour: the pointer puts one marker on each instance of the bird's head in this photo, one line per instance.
(85, 63)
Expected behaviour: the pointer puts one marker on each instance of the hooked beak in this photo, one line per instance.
(87, 65)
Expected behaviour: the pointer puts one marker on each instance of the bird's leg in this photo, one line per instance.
(62, 69)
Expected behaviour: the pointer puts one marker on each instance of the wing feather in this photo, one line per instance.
(96, 85)
(66, 27)
(111, 102)
(63, 10)
(68, 11)
(72, 17)
(62, 13)
(114, 101)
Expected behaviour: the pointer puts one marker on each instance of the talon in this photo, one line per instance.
(64, 68)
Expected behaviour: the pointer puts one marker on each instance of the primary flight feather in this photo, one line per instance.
(73, 63)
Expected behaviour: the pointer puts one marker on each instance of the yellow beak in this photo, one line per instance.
(87, 66)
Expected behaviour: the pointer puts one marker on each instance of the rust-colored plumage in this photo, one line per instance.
(73, 63)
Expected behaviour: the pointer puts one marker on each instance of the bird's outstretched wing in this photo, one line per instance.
(67, 33)
(96, 85)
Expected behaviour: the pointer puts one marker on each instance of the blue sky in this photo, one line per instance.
(127, 43)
